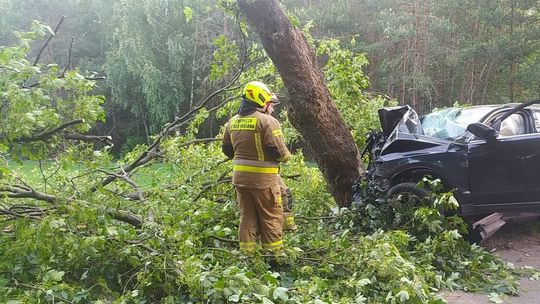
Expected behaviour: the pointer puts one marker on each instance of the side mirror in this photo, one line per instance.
(482, 131)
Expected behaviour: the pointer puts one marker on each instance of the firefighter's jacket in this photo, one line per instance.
(258, 147)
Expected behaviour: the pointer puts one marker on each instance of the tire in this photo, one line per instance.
(408, 188)
(404, 196)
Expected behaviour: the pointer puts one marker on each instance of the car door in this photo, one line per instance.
(505, 173)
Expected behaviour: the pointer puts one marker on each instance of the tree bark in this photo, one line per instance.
(311, 109)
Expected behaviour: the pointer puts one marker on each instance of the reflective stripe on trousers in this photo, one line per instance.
(247, 246)
(273, 246)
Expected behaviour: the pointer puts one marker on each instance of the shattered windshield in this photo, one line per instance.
(451, 123)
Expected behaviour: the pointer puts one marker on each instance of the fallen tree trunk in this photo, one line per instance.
(311, 109)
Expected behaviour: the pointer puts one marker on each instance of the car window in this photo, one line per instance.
(513, 125)
(536, 115)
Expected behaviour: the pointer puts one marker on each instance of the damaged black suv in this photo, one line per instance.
(489, 154)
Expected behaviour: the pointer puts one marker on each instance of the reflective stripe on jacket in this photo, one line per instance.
(254, 139)
(245, 165)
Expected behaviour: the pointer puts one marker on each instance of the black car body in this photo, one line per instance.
(489, 154)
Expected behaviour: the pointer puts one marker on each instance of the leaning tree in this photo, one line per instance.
(311, 109)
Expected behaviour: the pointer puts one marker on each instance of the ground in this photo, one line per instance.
(518, 244)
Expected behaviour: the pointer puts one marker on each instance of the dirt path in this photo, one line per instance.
(516, 244)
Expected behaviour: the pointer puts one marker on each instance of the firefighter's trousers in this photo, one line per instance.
(261, 214)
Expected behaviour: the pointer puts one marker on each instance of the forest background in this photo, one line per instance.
(158, 63)
(148, 215)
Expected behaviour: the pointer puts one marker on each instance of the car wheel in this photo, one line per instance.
(404, 196)
(408, 189)
(418, 193)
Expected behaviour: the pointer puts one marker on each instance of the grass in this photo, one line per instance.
(32, 173)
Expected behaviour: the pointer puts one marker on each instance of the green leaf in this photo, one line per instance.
(4, 171)
(265, 300)
(49, 29)
(84, 275)
(403, 296)
(112, 231)
(54, 275)
(234, 298)
(495, 298)
(280, 293)
(452, 201)
(360, 299)
(363, 282)
(188, 13)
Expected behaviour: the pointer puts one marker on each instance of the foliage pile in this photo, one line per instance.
(185, 252)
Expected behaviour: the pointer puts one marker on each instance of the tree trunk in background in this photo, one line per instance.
(416, 46)
(513, 65)
(311, 109)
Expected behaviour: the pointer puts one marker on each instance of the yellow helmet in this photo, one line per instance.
(257, 92)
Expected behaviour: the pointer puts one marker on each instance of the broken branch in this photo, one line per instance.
(125, 178)
(221, 180)
(107, 140)
(48, 133)
(48, 40)
(18, 191)
(128, 218)
(69, 57)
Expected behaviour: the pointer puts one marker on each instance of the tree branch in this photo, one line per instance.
(132, 219)
(107, 140)
(42, 291)
(221, 180)
(48, 133)
(125, 178)
(15, 215)
(48, 40)
(200, 140)
(96, 78)
(35, 84)
(24, 211)
(18, 191)
(69, 57)
(223, 103)
(223, 239)
(318, 218)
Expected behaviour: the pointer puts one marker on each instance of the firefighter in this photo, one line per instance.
(255, 141)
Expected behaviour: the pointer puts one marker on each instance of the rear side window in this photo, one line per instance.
(536, 115)
(513, 125)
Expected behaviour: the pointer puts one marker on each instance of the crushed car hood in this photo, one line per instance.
(403, 119)
(400, 123)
